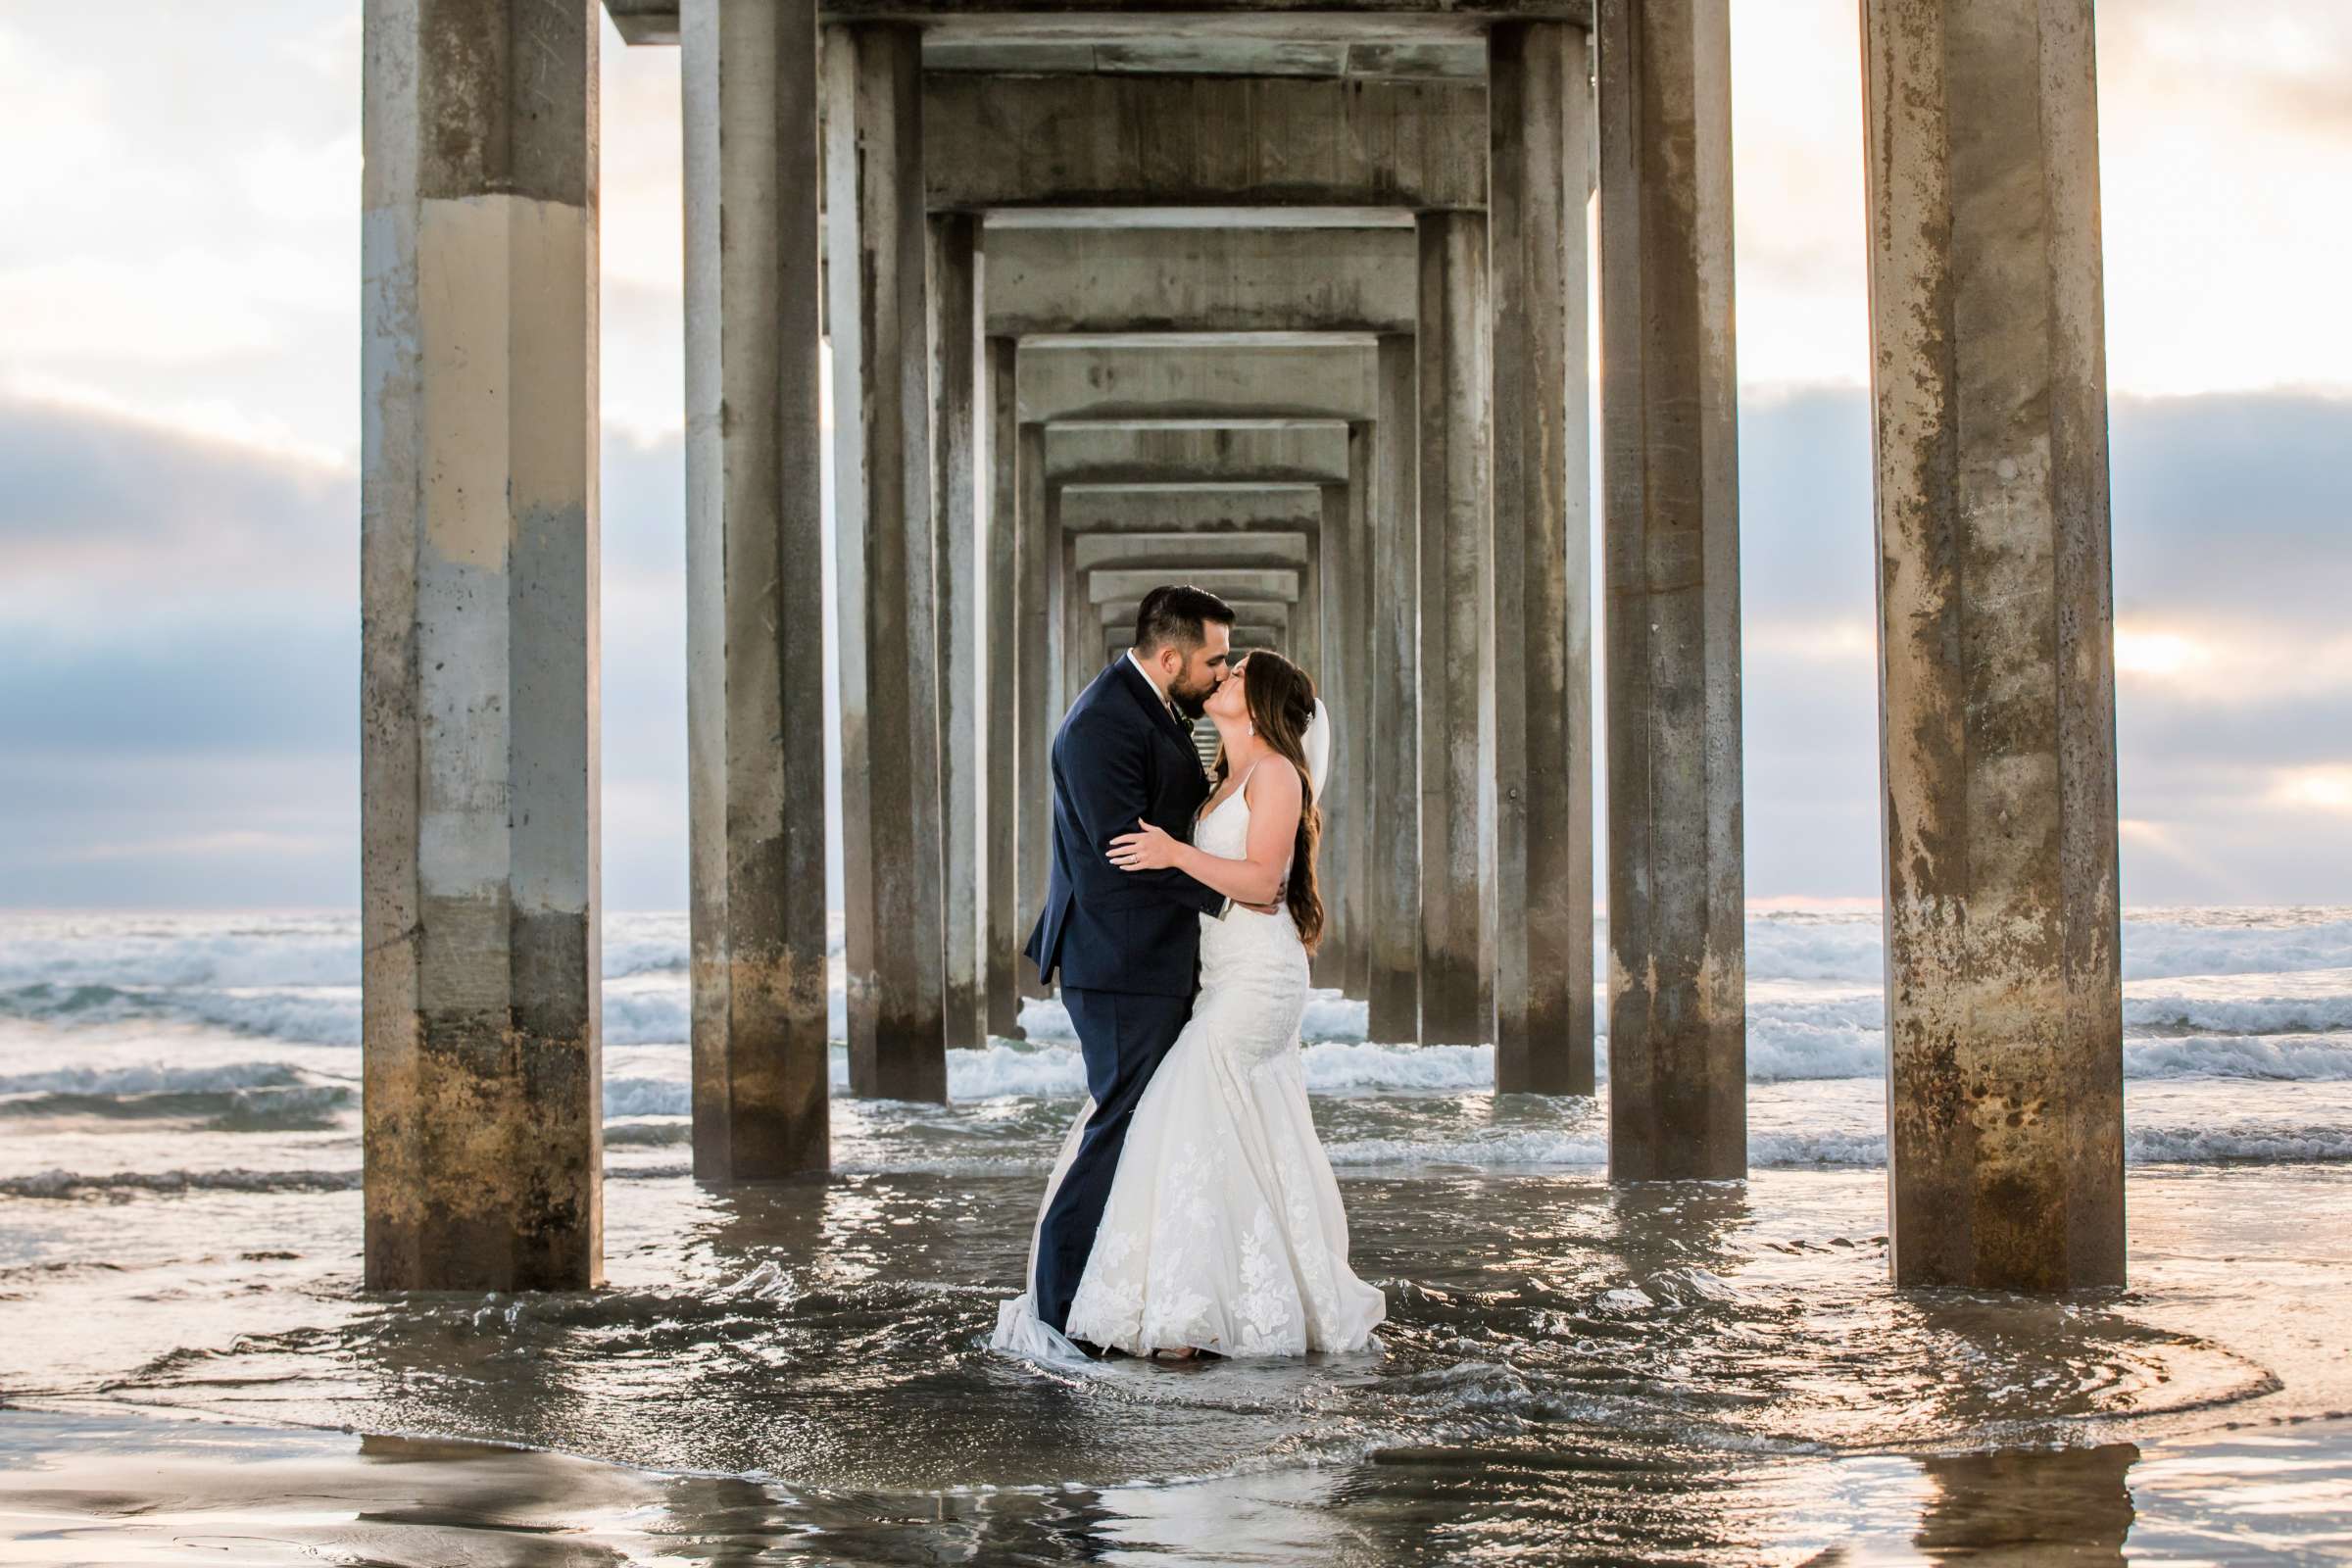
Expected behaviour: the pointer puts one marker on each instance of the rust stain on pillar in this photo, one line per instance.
(1997, 676)
(480, 991)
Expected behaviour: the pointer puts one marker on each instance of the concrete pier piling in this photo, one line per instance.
(1346, 687)
(1541, 106)
(1003, 931)
(2005, 1001)
(956, 282)
(755, 528)
(1036, 548)
(480, 1059)
(1393, 774)
(895, 945)
(1678, 969)
(1457, 595)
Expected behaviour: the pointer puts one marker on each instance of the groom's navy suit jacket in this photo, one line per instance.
(1120, 756)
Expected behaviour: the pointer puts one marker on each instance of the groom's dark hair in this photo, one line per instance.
(1178, 615)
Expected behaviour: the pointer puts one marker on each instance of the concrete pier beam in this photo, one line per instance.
(1678, 965)
(1275, 26)
(1458, 593)
(1231, 279)
(1002, 932)
(1188, 552)
(1172, 375)
(1006, 141)
(1392, 718)
(1155, 452)
(480, 994)
(1207, 510)
(895, 946)
(956, 282)
(754, 533)
(2004, 1004)
(1237, 583)
(1542, 100)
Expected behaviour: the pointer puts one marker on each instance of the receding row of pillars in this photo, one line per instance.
(1450, 613)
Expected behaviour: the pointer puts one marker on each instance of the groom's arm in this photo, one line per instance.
(1109, 791)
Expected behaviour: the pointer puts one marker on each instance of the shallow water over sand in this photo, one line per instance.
(1570, 1372)
(1673, 1373)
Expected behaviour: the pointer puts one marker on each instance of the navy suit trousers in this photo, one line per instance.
(1122, 1035)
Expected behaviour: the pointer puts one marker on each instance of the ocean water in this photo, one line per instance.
(189, 1052)
(1685, 1372)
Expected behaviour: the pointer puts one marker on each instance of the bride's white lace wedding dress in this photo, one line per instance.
(1223, 1230)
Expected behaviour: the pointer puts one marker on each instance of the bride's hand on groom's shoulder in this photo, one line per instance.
(1147, 849)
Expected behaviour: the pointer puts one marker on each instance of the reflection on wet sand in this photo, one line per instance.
(130, 1488)
(1572, 1372)
(2029, 1505)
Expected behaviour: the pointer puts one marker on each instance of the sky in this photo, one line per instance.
(180, 429)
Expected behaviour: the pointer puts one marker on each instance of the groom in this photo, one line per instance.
(1126, 943)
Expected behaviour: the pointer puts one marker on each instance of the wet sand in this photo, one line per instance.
(1685, 1373)
(134, 1487)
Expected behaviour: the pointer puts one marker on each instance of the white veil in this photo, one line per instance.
(1316, 744)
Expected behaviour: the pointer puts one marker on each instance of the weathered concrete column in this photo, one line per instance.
(956, 568)
(1001, 931)
(1350, 634)
(1457, 592)
(894, 944)
(1037, 547)
(478, 718)
(2004, 1003)
(1541, 100)
(1392, 771)
(1338, 672)
(754, 522)
(1678, 958)
(1329, 966)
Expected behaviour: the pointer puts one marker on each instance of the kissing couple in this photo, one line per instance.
(1192, 1209)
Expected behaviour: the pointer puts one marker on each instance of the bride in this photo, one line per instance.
(1223, 1231)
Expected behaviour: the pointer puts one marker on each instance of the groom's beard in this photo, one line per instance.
(1189, 706)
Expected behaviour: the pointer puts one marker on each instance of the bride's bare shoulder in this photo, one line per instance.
(1280, 783)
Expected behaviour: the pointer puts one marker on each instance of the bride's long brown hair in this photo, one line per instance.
(1280, 700)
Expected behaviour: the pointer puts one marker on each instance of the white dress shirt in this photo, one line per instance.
(1154, 685)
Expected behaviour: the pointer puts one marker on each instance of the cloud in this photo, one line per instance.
(180, 666)
(114, 526)
(233, 840)
(2282, 64)
(184, 237)
(2224, 132)
(224, 828)
(208, 733)
(2233, 554)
